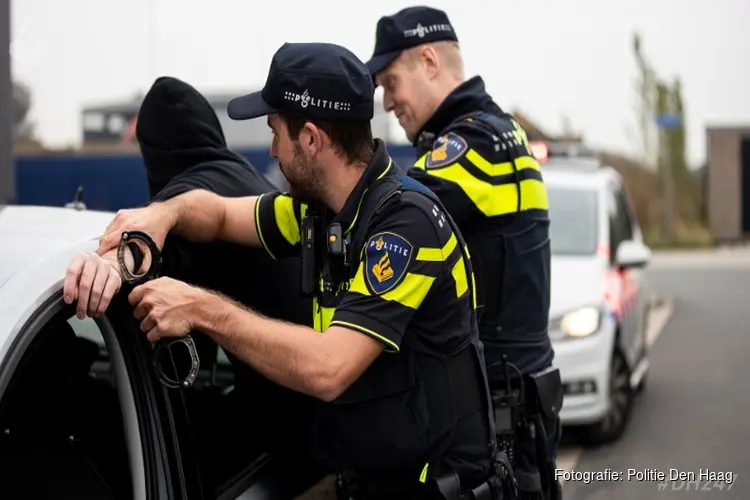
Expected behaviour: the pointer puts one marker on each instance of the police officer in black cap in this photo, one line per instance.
(396, 363)
(476, 158)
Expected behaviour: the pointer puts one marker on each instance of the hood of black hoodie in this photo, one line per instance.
(178, 129)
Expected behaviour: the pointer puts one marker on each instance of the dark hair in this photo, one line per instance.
(353, 140)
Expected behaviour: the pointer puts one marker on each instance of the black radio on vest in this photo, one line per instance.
(310, 259)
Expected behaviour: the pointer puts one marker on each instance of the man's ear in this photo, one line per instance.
(429, 59)
(311, 139)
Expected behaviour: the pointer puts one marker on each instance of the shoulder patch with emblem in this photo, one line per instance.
(387, 257)
(446, 150)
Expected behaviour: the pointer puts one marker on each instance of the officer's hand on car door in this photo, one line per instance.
(92, 281)
(156, 220)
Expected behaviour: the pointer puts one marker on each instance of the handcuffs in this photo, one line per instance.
(162, 345)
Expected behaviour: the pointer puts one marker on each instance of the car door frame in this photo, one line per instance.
(157, 471)
(152, 403)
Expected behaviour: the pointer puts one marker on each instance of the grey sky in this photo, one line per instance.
(576, 53)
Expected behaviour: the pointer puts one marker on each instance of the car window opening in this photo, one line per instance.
(60, 418)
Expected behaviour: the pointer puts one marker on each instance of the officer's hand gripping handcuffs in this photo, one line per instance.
(163, 345)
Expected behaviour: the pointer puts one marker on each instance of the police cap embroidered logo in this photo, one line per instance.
(387, 257)
(446, 150)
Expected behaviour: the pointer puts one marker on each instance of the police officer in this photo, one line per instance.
(476, 158)
(405, 408)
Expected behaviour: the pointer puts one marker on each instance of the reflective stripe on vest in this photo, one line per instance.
(495, 190)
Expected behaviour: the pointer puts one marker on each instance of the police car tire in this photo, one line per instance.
(599, 433)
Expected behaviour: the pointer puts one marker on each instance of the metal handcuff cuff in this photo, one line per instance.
(162, 345)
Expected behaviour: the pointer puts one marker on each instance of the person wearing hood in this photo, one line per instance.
(183, 148)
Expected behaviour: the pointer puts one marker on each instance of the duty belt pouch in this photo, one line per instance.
(544, 392)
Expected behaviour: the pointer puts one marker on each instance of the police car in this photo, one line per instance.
(599, 294)
(82, 414)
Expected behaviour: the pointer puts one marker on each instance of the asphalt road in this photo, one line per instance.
(695, 412)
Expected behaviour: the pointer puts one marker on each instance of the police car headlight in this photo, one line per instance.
(578, 323)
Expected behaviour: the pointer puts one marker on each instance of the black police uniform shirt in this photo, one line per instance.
(468, 167)
(410, 288)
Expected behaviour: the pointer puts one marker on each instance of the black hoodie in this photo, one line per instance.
(183, 148)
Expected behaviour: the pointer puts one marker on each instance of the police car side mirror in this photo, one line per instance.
(632, 254)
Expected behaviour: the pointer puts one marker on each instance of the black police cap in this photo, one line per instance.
(317, 81)
(405, 29)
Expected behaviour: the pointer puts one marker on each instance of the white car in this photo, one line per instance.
(599, 300)
(82, 414)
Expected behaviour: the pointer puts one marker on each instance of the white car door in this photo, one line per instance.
(67, 407)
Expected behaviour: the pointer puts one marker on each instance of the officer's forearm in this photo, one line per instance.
(198, 215)
(202, 216)
(291, 355)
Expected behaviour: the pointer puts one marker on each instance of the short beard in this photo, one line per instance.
(305, 178)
